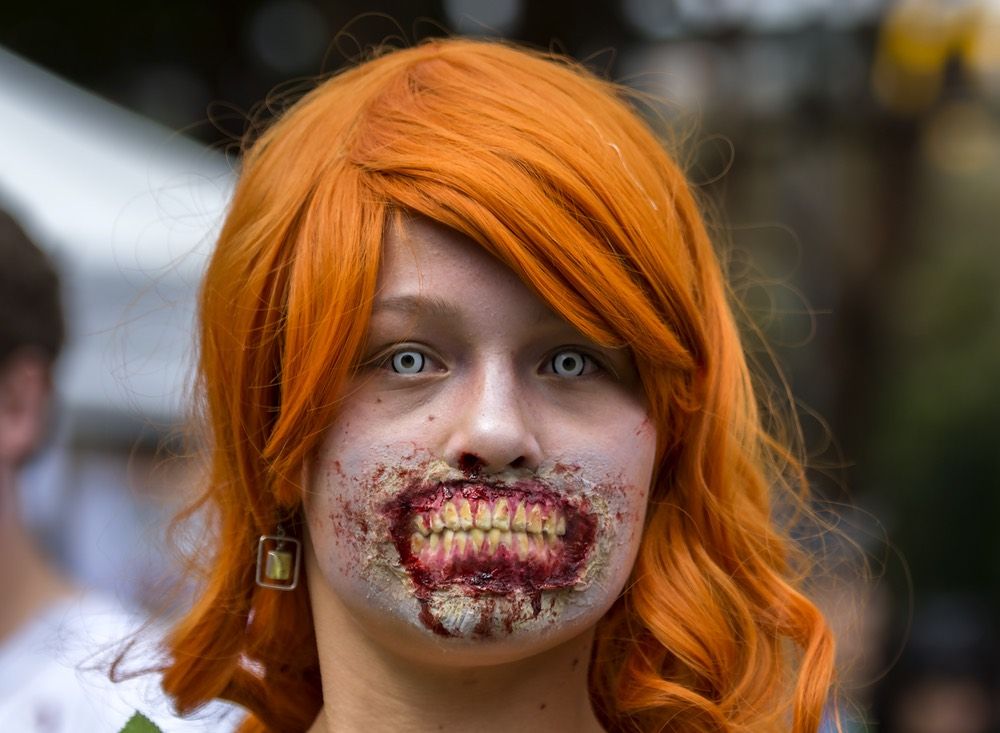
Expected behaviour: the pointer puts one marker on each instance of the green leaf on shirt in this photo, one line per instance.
(139, 723)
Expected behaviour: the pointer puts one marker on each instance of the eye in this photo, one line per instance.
(570, 363)
(407, 361)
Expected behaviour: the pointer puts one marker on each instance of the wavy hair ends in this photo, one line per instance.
(550, 169)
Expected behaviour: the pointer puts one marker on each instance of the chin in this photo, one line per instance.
(454, 628)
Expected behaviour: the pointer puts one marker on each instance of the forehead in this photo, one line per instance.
(428, 267)
(420, 249)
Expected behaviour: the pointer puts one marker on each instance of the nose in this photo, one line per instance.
(494, 427)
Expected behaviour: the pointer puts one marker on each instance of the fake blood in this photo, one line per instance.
(503, 573)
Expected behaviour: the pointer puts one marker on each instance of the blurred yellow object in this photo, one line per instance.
(918, 40)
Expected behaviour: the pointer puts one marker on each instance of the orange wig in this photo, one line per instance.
(550, 169)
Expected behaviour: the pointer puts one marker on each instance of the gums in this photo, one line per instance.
(503, 574)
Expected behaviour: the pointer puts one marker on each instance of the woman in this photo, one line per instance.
(479, 411)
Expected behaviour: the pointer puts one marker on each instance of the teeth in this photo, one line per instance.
(437, 524)
(522, 545)
(520, 519)
(463, 528)
(483, 516)
(420, 524)
(493, 543)
(535, 519)
(477, 537)
(450, 515)
(549, 527)
(456, 545)
(501, 513)
(465, 514)
(541, 546)
(417, 542)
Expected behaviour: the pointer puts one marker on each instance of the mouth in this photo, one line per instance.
(490, 538)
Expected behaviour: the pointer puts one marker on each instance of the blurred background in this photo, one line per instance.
(849, 152)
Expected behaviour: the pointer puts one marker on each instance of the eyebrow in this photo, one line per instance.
(418, 305)
(430, 306)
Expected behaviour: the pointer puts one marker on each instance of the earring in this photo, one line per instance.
(278, 559)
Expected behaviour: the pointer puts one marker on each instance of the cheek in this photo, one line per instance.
(621, 451)
(622, 468)
(373, 438)
(331, 514)
(642, 457)
(635, 450)
(348, 485)
(337, 509)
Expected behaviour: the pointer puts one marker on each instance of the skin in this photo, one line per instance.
(470, 383)
(25, 391)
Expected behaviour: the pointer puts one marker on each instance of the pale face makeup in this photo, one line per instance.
(484, 487)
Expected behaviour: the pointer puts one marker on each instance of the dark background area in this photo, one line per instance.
(850, 153)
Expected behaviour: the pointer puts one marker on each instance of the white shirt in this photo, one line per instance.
(54, 676)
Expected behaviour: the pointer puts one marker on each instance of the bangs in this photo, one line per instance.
(567, 212)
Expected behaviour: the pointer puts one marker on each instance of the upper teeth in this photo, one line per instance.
(463, 514)
(451, 545)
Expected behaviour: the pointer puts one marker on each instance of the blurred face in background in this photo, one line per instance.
(483, 490)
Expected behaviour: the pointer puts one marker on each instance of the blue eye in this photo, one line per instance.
(408, 361)
(569, 363)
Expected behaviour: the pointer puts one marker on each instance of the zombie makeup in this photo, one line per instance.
(487, 539)
(484, 557)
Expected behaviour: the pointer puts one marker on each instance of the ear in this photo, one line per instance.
(25, 390)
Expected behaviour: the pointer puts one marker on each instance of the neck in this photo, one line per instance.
(368, 687)
(24, 566)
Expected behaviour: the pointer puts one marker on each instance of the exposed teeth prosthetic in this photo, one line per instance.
(491, 539)
(480, 529)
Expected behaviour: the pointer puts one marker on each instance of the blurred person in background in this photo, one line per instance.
(947, 678)
(53, 633)
(31, 336)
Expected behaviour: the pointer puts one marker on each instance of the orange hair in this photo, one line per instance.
(550, 169)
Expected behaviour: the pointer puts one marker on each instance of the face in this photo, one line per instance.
(485, 484)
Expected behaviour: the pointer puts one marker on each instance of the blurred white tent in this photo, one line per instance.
(129, 211)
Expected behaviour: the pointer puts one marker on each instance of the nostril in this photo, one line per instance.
(470, 464)
(517, 462)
